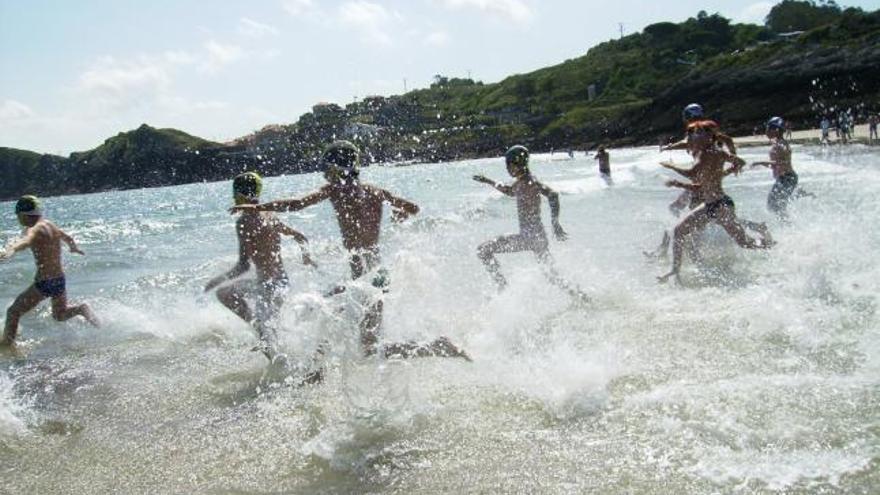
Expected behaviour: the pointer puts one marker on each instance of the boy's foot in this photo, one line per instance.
(313, 377)
(443, 347)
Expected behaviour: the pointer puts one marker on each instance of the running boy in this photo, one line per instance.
(44, 239)
(780, 164)
(259, 242)
(716, 206)
(358, 209)
(531, 237)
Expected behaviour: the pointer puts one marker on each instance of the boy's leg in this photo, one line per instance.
(503, 244)
(369, 327)
(727, 219)
(542, 253)
(270, 298)
(694, 222)
(440, 347)
(234, 296)
(761, 229)
(62, 312)
(680, 203)
(25, 302)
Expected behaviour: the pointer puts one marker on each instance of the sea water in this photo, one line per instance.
(760, 373)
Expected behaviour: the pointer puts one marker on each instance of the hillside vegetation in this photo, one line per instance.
(807, 60)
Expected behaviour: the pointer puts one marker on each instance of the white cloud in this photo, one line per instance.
(297, 7)
(112, 84)
(179, 57)
(372, 20)
(514, 10)
(437, 38)
(219, 55)
(754, 13)
(254, 29)
(12, 111)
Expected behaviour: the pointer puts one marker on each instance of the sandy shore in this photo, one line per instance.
(808, 136)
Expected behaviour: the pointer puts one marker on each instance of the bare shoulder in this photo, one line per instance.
(45, 228)
(378, 192)
(373, 189)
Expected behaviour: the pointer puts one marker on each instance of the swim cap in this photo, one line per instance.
(247, 186)
(518, 156)
(29, 205)
(692, 112)
(775, 123)
(340, 159)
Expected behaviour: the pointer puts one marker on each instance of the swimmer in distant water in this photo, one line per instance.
(259, 242)
(531, 237)
(358, 209)
(604, 165)
(780, 163)
(716, 206)
(44, 240)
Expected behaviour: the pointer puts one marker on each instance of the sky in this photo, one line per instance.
(74, 73)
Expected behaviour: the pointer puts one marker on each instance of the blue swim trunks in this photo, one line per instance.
(51, 287)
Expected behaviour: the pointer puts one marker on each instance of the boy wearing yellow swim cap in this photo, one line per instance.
(259, 243)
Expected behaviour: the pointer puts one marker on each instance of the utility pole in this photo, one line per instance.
(469, 73)
(621, 29)
(404, 85)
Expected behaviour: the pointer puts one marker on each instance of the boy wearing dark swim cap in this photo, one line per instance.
(358, 209)
(783, 172)
(531, 237)
(259, 243)
(44, 240)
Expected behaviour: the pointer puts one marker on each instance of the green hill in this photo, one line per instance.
(622, 92)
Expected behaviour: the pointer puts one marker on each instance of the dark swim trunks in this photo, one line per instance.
(713, 207)
(51, 287)
(782, 190)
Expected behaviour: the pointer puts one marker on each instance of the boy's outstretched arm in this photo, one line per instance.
(504, 189)
(680, 145)
(402, 209)
(683, 185)
(19, 245)
(737, 163)
(287, 204)
(726, 141)
(243, 265)
(301, 239)
(71, 243)
(687, 172)
(553, 199)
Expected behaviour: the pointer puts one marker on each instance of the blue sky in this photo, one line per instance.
(73, 73)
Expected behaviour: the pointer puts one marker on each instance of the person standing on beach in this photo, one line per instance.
(825, 125)
(531, 237)
(44, 240)
(873, 120)
(358, 208)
